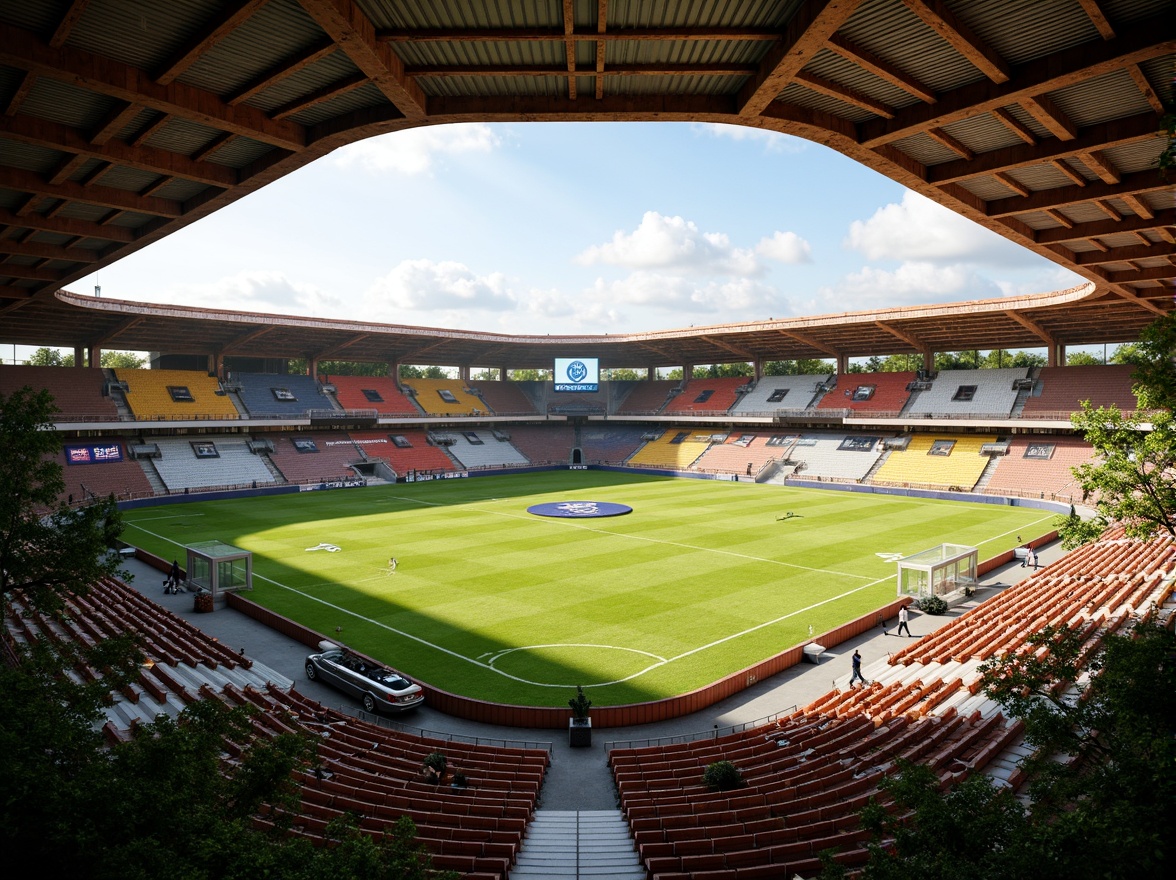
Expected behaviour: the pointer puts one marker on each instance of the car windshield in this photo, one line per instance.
(391, 680)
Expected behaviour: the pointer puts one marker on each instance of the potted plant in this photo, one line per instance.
(580, 725)
(722, 776)
(459, 783)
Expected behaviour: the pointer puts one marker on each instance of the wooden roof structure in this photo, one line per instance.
(123, 122)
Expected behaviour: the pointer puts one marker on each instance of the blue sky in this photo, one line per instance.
(578, 228)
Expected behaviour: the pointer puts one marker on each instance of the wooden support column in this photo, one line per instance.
(216, 365)
(394, 374)
(842, 364)
(928, 360)
(687, 372)
(757, 367)
(463, 373)
(650, 373)
(79, 356)
(312, 367)
(502, 374)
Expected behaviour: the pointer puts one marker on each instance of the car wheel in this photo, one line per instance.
(311, 672)
(369, 704)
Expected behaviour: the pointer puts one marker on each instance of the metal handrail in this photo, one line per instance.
(381, 721)
(715, 733)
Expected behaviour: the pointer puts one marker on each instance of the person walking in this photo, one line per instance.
(856, 663)
(903, 619)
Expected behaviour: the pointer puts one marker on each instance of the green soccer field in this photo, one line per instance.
(700, 580)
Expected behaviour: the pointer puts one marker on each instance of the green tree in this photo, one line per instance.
(1132, 478)
(723, 371)
(999, 357)
(622, 374)
(799, 367)
(1082, 359)
(408, 371)
(529, 375)
(299, 366)
(46, 547)
(1155, 365)
(50, 357)
(122, 360)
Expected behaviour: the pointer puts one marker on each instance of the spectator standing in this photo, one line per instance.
(856, 663)
(903, 618)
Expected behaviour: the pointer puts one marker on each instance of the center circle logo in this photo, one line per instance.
(577, 372)
(579, 509)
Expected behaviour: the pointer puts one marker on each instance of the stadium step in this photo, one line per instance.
(578, 843)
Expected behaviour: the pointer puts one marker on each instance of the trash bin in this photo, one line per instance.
(202, 601)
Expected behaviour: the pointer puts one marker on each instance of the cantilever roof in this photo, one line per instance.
(123, 122)
(1069, 317)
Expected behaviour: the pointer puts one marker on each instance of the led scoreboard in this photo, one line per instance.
(577, 374)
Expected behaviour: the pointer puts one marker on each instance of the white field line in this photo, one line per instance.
(580, 524)
(491, 668)
(152, 518)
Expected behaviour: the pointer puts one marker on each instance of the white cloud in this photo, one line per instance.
(785, 247)
(919, 229)
(735, 299)
(772, 141)
(1054, 278)
(912, 283)
(671, 244)
(414, 151)
(424, 285)
(256, 291)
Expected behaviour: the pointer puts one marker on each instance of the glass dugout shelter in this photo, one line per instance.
(947, 571)
(219, 567)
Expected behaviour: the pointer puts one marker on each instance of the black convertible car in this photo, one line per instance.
(377, 687)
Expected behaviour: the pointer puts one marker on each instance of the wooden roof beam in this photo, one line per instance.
(1116, 255)
(738, 352)
(558, 35)
(115, 121)
(1136, 182)
(1141, 81)
(843, 93)
(24, 50)
(206, 39)
(43, 133)
(1104, 168)
(335, 350)
(30, 273)
(1108, 209)
(1010, 182)
(149, 129)
(1166, 234)
(569, 25)
(1058, 217)
(961, 38)
(1009, 121)
(1132, 296)
(942, 138)
(1138, 42)
(1154, 273)
(65, 25)
(805, 339)
(1033, 327)
(246, 338)
(1098, 18)
(601, 28)
(67, 169)
(48, 251)
(805, 35)
(117, 330)
(67, 226)
(1066, 171)
(537, 70)
(319, 96)
(1050, 115)
(119, 199)
(880, 68)
(915, 343)
(1138, 205)
(280, 71)
(346, 24)
(22, 91)
(212, 146)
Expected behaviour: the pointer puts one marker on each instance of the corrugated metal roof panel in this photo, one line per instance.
(982, 133)
(417, 14)
(62, 103)
(262, 41)
(1139, 156)
(1126, 11)
(988, 188)
(1023, 116)
(1021, 30)
(131, 220)
(84, 211)
(27, 157)
(183, 136)
(482, 52)
(708, 13)
(796, 93)
(895, 34)
(367, 95)
(1159, 74)
(239, 152)
(672, 85)
(1046, 176)
(1084, 212)
(925, 149)
(121, 177)
(144, 35)
(1100, 100)
(40, 16)
(181, 190)
(460, 87)
(332, 69)
(832, 66)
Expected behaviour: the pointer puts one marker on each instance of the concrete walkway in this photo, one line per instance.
(579, 779)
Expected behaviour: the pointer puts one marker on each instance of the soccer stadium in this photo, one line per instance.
(698, 555)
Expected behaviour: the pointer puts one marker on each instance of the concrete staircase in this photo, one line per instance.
(562, 844)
